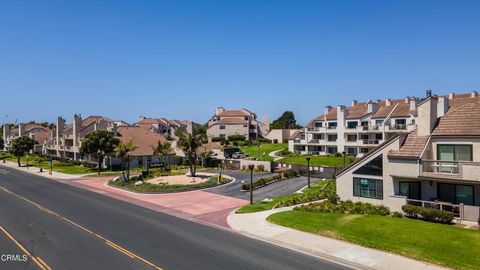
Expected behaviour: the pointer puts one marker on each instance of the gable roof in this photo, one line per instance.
(412, 147)
(461, 121)
(143, 139)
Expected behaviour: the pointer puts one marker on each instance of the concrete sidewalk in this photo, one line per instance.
(35, 170)
(256, 226)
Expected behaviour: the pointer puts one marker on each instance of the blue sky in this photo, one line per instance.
(181, 59)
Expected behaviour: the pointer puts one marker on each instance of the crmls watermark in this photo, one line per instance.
(13, 258)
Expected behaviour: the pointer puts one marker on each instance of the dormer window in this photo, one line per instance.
(246, 118)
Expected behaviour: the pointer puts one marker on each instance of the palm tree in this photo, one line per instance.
(122, 151)
(161, 149)
(189, 144)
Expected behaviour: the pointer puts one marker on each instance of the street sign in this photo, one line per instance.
(158, 164)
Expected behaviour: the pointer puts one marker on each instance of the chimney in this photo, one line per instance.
(266, 121)
(219, 110)
(442, 106)
(59, 132)
(413, 104)
(327, 109)
(407, 100)
(474, 94)
(140, 118)
(388, 102)
(20, 130)
(428, 93)
(5, 133)
(371, 106)
(427, 116)
(354, 102)
(451, 96)
(341, 113)
(77, 125)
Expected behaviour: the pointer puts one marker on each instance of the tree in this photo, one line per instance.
(99, 144)
(189, 144)
(122, 152)
(161, 149)
(258, 144)
(21, 146)
(2, 143)
(286, 120)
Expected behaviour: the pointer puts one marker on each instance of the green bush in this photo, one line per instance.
(325, 193)
(275, 141)
(235, 143)
(88, 164)
(266, 180)
(285, 141)
(345, 207)
(397, 214)
(428, 214)
(236, 138)
(217, 139)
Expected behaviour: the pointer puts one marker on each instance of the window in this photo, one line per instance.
(318, 124)
(222, 135)
(332, 138)
(400, 121)
(332, 150)
(352, 151)
(373, 167)
(222, 127)
(378, 122)
(410, 189)
(302, 136)
(455, 193)
(332, 125)
(454, 152)
(378, 136)
(352, 124)
(246, 118)
(368, 188)
(245, 125)
(351, 138)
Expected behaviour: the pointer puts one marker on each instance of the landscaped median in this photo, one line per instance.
(447, 245)
(59, 164)
(170, 181)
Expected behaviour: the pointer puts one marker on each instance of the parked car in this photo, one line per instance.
(238, 155)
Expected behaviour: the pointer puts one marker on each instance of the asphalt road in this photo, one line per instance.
(276, 189)
(72, 228)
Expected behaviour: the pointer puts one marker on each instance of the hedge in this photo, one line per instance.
(345, 207)
(428, 214)
(266, 180)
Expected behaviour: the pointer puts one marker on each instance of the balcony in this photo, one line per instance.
(460, 211)
(316, 129)
(464, 170)
(316, 141)
(369, 141)
(367, 128)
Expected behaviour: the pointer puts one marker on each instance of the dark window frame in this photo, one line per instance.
(357, 188)
(409, 196)
(455, 152)
(455, 188)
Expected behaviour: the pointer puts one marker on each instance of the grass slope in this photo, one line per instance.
(437, 243)
(330, 161)
(265, 149)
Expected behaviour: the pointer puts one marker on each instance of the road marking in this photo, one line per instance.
(107, 242)
(44, 263)
(42, 266)
(3, 172)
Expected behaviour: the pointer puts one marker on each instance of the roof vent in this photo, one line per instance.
(354, 102)
(388, 102)
(428, 93)
(474, 94)
(451, 95)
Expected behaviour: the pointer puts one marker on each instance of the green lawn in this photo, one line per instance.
(265, 149)
(330, 161)
(436, 243)
(39, 162)
(263, 206)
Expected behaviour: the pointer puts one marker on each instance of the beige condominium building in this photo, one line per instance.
(436, 165)
(67, 139)
(164, 126)
(39, 133)
(355, 129)
(243, 122)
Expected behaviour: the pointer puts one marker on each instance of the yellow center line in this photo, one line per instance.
(35, 260)
(44, 263)
(108, 242)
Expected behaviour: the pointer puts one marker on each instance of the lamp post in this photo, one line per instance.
(251, 167)
(344, 155)
(308, 170)
(51, 164)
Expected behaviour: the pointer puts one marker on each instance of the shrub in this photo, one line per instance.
(275, 141)
(236, 138)
(428, 214)
(261, 168)
(397, 214)
(88, 164)
(265, 180)
(235, 143)
(217, 139)
(345, 207)
(285, 141)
